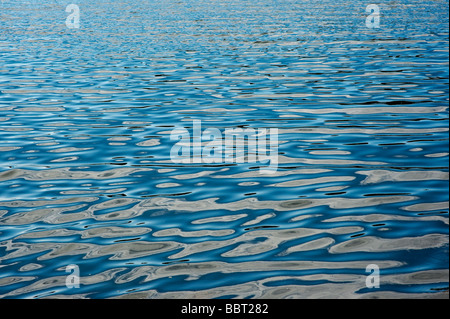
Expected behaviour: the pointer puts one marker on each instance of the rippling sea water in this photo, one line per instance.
(86, 177)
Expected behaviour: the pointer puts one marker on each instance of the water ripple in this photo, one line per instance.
(87, 179)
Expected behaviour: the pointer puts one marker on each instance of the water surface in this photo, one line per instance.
(86, 176)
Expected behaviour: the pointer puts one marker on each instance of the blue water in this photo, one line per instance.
(86, 176)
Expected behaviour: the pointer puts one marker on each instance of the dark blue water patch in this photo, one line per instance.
(299, 282)
(229, 297)
(112, 290)
(413, 288)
